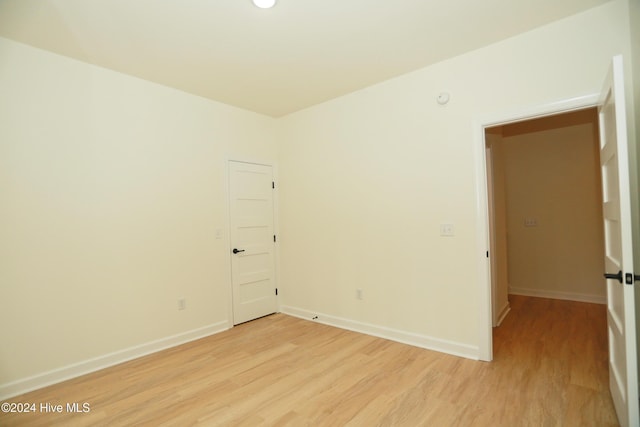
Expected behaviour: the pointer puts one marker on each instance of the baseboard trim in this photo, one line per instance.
(569, 296)
(68, 372)
(503, 313)
(410, 338)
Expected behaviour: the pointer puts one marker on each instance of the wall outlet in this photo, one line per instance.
(182, 303)
(359, 294)
(447, 230)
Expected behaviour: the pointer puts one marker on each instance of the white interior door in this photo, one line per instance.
(252, 241)
(623, 372)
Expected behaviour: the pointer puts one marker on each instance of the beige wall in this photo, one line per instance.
(552, 176)
(368, 178)
(112, 189)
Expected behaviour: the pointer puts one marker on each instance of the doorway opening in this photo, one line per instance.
(485, 347)
(545, 210)
(617, 212)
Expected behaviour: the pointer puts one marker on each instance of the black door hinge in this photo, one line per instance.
(274, 238)
(487, 254)
(273, 184)
(276, 291)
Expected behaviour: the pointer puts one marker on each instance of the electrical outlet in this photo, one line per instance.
(182, 304)
(447, 230)
(359, 294)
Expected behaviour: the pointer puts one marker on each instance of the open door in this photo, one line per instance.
(614, 161)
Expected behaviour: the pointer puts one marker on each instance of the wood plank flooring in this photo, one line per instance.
(549, 369)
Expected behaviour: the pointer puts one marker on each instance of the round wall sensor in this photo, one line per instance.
(443, 98)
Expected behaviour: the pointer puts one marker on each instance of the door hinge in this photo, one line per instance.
(274, 238)
(273, 184)
(276, 291)
(629, 278)
(487, 254)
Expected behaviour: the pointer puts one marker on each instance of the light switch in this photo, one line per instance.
(530, 222)
(218, 233)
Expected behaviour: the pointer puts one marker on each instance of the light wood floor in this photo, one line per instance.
(550, 369)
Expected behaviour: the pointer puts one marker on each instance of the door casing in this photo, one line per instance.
(485, 345)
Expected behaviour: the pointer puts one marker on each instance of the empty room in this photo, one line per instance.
(224, 213)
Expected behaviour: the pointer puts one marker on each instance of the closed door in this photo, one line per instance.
(623, 374)
(252, 241)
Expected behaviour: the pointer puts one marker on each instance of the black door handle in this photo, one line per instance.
(618, 276)
(235, 251)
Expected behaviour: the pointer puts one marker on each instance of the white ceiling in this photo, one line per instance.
(275, 61)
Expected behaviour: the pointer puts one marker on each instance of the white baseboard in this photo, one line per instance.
(570, 296)
(68, 372)
(416, 340)
(503, 313)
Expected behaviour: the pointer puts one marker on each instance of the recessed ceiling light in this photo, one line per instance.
(264, 4)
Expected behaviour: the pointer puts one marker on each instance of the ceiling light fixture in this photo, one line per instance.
(264, 4)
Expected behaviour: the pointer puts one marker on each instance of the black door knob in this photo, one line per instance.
(235, 251)
(618, 276)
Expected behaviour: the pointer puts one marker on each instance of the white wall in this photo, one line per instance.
(112, 189)
(368, 178)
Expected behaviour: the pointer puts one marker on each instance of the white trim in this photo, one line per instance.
(84, 367)
(503, 313)
(227, 237)
(493, 268)
(485, 321)
(569, 296)
(538, 111)
(485, 297)
(410, 338)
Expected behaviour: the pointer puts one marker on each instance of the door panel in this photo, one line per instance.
(251, 225)
(623, 374)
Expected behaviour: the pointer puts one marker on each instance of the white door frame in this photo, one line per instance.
(493, 276)
(485, 333)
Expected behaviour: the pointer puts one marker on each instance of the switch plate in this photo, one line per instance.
(530, 222)
(182, 304)
(447, 230)
(218, 233)
(359, 294)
